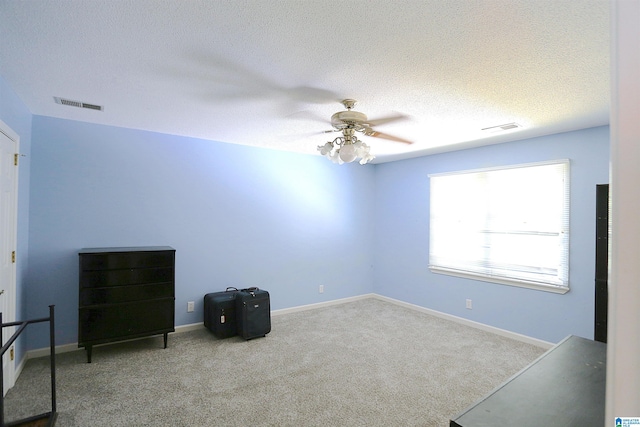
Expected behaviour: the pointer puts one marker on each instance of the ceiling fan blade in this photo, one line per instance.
(308, 115)
(309, 94)
(376, 134)
(304, 136)
(388, 119)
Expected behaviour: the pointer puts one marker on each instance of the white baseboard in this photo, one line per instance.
(42, 352)
(20, 367)
(503, 332)
(190, 327)
(319, 305)
(65, 348)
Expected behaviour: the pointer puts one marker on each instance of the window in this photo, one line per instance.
(507, 225)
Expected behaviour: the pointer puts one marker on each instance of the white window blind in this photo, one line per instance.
(507, 225)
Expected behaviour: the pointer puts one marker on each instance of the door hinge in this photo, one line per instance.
(11, 355)
(13, 256)
(15, 159)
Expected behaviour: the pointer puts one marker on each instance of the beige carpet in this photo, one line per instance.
(362, 363)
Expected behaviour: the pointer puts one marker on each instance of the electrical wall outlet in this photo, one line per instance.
(190, 306)
(321, 289)
(469, 305)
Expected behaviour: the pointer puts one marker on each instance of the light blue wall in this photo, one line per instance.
(237, 216)
(17, 116)
(402, 238)
(253, 217)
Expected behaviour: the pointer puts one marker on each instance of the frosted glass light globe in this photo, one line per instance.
(348, 153)
(325, 149)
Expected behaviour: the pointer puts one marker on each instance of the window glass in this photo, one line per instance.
(508, 225)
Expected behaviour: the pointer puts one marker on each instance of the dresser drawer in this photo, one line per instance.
(120, 294)
(126, 260)
(127, 320)
(102, 278)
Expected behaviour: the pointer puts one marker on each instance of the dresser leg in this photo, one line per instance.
(89, 348)
(166, 336)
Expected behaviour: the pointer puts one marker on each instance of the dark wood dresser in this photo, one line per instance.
(125, 293)
(563, 387)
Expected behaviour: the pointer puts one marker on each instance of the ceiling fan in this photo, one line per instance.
(347, 148)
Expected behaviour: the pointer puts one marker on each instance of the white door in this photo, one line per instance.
(8, 233)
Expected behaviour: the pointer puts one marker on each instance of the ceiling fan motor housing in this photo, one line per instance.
(344, 119)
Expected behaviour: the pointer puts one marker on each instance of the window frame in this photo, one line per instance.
(564, 235)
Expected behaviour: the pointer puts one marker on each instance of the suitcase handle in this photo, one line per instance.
(251, 289)
(231, 288)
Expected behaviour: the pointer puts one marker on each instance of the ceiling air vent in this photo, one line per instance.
(501, 128)
(78, 104)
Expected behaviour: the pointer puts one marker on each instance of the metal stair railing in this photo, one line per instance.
(50, 416)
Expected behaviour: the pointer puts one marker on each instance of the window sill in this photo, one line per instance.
(501, 281)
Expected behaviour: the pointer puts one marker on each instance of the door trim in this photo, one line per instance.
(12, 233)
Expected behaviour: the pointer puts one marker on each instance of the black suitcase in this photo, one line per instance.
(220, 313)
(253, 313)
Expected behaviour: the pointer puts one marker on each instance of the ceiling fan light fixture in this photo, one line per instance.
(342, 151)
(347, 148)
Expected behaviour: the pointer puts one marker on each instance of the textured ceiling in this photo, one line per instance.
(271, 73)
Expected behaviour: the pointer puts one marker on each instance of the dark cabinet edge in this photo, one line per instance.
(128, 285)
(123, 303)
(124, 338)
(125, 249)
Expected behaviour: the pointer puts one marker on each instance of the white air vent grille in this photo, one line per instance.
(78, 104)
(501, 128)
